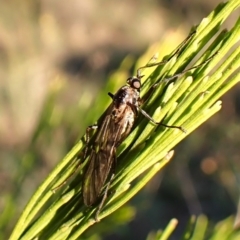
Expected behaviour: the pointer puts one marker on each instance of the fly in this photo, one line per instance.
(112, 129)
(110, 133)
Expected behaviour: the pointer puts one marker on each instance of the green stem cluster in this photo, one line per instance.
(188, 102)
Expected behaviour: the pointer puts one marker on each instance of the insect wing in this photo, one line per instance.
(102, 157)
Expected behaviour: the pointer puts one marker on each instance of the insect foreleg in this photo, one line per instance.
(183, 72)
(105, 195)
(167, 80)
(167, 60)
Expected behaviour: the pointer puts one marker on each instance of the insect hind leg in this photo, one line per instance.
(100, 206)
(105, 195)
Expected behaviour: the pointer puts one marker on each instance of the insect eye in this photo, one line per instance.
(136, 83)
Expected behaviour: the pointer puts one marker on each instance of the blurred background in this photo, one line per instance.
(55, 57)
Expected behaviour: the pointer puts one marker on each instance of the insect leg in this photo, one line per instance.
(169, 79)
(180, 47)
(104, 198)
(89, 128)
(159, 123)
(149, 93)
(105, 195)
(183, 72)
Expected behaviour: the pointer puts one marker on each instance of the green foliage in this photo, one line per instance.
(189, 101)
(199, 229)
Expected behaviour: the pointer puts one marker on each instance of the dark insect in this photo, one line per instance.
(111, 130)
(110, 133)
